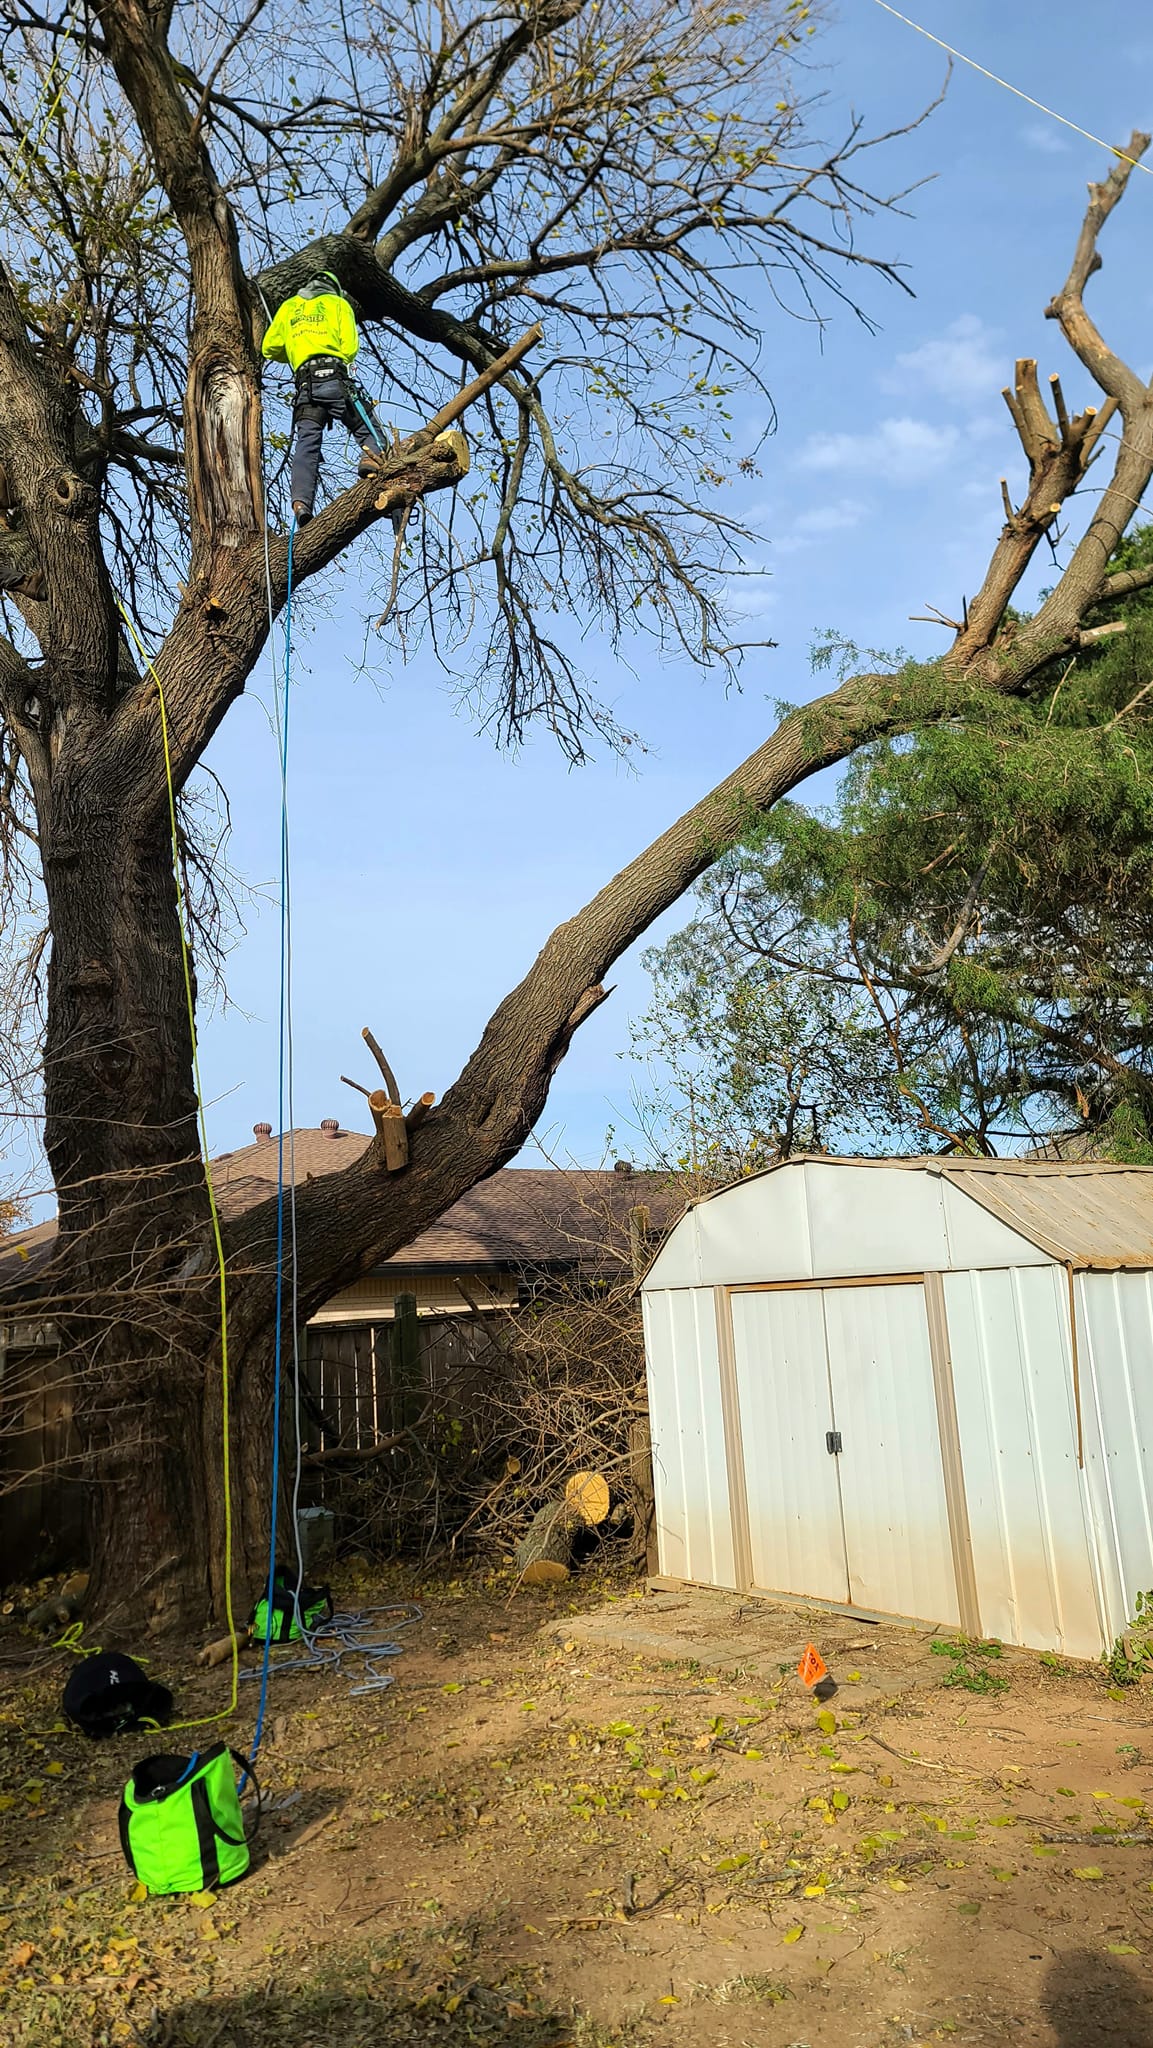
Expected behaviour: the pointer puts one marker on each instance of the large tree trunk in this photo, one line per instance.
(136, 1263)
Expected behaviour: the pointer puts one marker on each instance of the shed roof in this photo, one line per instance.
(1089, 1212)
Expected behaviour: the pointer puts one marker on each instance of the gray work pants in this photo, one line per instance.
(324, 401)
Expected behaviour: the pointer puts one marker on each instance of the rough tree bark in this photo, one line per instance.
(133, 1273)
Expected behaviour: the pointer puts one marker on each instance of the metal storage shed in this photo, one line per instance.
(915, 1387)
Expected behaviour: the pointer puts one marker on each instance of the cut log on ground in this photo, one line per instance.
(587, 1497)
(544, 1552)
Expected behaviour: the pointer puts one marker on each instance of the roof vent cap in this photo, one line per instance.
(330, 1125)
(262, 1133)
(622, 1166)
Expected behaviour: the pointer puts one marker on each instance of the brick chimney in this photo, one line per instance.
(262, 1133)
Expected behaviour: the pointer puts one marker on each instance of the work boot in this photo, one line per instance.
(370, 461)
(301, 513)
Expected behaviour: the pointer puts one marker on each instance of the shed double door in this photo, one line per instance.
(841, 1448)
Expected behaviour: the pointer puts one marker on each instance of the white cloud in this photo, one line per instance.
(813, 525)
(1046, 137)
(963, 363)
(831, 518)
(899, 451)
(750, 597)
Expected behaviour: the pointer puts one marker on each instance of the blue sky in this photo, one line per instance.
(427, 868)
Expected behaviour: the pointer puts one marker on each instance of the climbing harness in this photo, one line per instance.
(328, 369)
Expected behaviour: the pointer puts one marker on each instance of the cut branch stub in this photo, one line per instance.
(1058, 452)
(388, 1118)
(1030, 414)
(419, 1111)
(1046, 441)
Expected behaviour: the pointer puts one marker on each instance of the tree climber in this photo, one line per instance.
(315, 333)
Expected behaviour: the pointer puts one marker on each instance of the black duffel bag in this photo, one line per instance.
(109, 1693)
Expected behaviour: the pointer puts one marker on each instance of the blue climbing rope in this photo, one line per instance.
(326, 1646)
(285, 913)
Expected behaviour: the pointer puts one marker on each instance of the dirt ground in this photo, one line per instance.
(545, 1834)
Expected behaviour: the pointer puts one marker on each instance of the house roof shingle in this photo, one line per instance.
(520, 1216)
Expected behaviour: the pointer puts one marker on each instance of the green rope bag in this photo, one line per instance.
(181, 1828)
(277, 1620)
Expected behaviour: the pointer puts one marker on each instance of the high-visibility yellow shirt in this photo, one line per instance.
(302, 328)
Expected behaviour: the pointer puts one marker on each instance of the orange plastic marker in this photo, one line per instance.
(812, 1667)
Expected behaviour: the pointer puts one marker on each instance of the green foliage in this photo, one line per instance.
(957, 954)
(969, 1664)
(1131, 1658)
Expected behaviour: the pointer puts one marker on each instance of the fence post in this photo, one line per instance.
(406, 1360)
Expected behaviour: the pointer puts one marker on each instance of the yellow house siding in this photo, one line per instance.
(371, 1300)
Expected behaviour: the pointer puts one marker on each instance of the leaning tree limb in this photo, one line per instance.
(488, 1112)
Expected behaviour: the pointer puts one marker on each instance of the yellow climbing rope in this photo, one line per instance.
(186, 961)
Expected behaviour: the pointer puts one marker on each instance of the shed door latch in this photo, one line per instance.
(833, 1442)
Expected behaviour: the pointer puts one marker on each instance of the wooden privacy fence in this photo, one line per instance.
(41, 1498)
(367, 1382)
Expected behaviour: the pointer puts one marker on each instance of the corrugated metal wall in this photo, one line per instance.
(815, 1218)
(842, 1460)
(1030, 1519)
(1115, 1324)
(690, 1473)
(1059, 1550)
